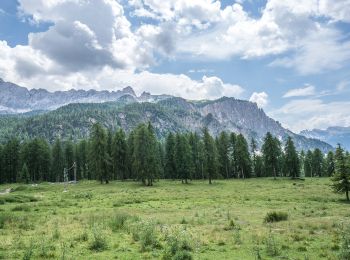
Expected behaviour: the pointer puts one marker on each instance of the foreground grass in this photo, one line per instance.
(123, 220)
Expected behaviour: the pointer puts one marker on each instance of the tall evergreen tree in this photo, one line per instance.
(170, 162)
(233, 156)
(329, 164)
(317, 163)
(183, 162)
(197, 153)
(69, 157)
(99, 155)
(341, 178)
(223, 148)
(210, 157)
(119, 153)
(308, 164)
(242, 157)
(271, 153)
(146, 154)
(253, 150)
(292, 164)
(57, 161)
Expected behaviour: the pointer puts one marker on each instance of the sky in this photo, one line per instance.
(291, 57)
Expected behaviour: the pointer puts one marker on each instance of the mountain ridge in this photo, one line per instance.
(126, 110)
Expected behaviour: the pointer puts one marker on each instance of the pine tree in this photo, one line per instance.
(292, 164)
(271, 153)
(341, 178)
(223, 148)
(99, 156)
(308, 164)
(197, 153)
(24, 174)
(2, 175)
(130, 149)
(146, 161)
(183, 162)
(11, 160)
(69, 157)
(302, 164)
(119, 153)
(109, 145)
(170, 163)
(253, 150)
(57, 161)
(233, 156)
(329, 164)
(210, 158)
(317, 163)
(242, 157)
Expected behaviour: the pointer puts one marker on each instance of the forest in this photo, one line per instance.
(140, 156)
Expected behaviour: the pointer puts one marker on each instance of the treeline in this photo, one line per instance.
(108, 155)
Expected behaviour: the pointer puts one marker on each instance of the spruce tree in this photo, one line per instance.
(271, 154)
(170, 163)
(119, 153)
(223, 148)
(253, 150)
(69, 157)
(341, 178)
(329, 164)
(292, 164)
(24, 174)
(99, 156)
(197, 154)
(243, 162)
(308, 164)
(57, 161)
(183, 160)
(317, 163)
(210, 157)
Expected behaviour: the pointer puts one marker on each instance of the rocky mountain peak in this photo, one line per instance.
(129, 90)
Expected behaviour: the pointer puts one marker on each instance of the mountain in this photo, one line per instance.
(332, 135)
(50, 116)
(15, 99)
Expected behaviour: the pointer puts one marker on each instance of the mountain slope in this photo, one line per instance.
(332, 135)
(165, 113)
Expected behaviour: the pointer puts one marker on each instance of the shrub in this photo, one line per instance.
(148, 236)
(275, 216)
(99, 242)
(178, 246)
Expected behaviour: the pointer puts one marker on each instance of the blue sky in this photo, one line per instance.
(290, 57)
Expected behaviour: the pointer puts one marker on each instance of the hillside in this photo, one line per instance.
(166, 114)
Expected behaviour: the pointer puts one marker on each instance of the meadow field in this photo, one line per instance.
(124, 220)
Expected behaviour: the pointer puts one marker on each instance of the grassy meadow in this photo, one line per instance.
(124, 220)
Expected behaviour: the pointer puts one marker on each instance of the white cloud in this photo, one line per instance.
(261, 99)
(308, 90)
(303, 114)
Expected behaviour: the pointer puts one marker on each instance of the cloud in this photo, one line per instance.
(308, 90)
(303, 114)
(261, 99)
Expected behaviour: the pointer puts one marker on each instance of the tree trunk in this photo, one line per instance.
(209, 180)
(347, 195)
(274, 173)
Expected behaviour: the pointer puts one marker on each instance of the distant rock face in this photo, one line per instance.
(332, 135)
(16, 99)
(124, 109)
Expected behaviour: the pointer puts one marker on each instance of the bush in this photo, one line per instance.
(148, 236)
(99, 242)
(178, 246)
(275, 216)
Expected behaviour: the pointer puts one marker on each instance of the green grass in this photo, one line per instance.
(124, 220)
